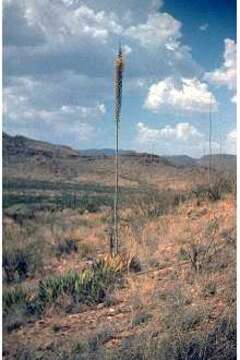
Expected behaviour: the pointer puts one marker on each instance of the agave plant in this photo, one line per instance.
(89, 286)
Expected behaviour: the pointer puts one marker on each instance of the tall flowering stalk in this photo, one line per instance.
(210, 142)
(119, 66)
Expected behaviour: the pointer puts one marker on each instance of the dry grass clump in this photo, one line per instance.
(22, 252)
(66, 247)
(70, 242)
(217, 190)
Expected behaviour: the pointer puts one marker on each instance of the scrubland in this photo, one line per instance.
(169, 294)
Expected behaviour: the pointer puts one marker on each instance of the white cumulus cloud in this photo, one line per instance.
(188, 95)
(159, 30)
(68, 123)
(226, 74)
(181, 138)
(72, 23)
(182, 131)
(230, 143)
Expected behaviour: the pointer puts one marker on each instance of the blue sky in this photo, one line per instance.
(220, 18)
(180, 63)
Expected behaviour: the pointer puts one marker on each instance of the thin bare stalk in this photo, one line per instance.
(210, 144)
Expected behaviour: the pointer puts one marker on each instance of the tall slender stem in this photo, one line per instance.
(118, 101)
(210, 144)
(116, 234)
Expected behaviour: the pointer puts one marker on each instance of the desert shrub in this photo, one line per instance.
(178, 316)
(209, 289)
(99, 338)
(202, 251)
(183, 254)
(216, 344)
(19, 263)
(154, 203)
(94, 203)
(135, 264)
(216, 190)
(134, 348)
(229, 236)
(16, 264)
(200, 192)
(159, 203)
(66, 247)
(14, 320)
(16, 307)
(228, 184)
(131, 348)
(141, 318)
(187, 334)
(85, 250)
(190, 318)
(23, 253)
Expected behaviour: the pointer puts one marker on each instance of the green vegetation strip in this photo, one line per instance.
(91, 203)
(21, 184)
(89, 287)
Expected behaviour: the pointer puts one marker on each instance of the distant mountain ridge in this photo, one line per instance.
(182, 160)
(23, 146)
(18, 146)
(219, 161)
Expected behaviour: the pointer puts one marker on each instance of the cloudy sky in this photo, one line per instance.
(180, 66)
